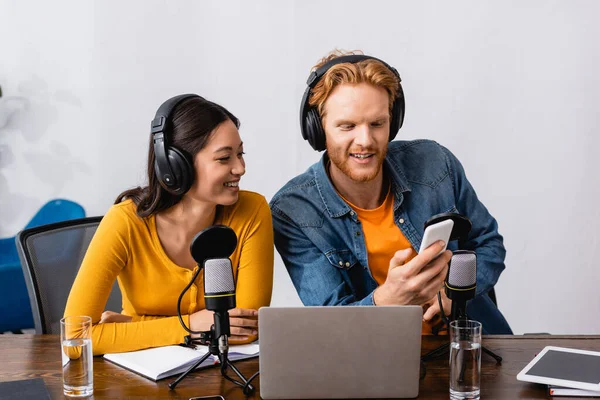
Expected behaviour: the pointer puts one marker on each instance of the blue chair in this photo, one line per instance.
(15, 308)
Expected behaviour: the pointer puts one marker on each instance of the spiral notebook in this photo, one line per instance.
(161, 362)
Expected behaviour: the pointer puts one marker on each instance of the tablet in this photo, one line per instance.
(564, 367)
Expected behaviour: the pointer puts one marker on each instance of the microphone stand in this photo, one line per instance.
(217, 345)
(442, 350)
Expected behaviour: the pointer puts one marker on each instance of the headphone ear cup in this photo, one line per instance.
(314, 130)
(183, 170)
(394, 123)
(397, 115)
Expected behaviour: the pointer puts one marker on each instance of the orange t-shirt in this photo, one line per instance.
(383, 239)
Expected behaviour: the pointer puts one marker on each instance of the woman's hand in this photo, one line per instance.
(110, 316)
(200, 321)
(243, 324)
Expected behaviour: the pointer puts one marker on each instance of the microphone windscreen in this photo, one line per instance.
(217, 241)
(463, 269)
(218, 276)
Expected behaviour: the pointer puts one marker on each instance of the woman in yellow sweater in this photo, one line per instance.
(195, 163)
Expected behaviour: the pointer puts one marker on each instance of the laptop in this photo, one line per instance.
(339, 352)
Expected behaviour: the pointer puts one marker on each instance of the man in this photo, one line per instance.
(347, 228)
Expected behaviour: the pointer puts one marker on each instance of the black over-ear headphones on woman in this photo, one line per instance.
(310, 121)
(174, 168)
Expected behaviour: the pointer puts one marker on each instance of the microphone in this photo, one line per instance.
(219, 297)
(211, 249)
(461, 282)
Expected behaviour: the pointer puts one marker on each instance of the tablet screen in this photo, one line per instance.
(568, 366)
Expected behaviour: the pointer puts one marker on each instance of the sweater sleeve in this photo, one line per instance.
(255, 271)
(106, 256)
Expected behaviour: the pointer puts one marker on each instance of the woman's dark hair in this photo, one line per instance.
(194, 120)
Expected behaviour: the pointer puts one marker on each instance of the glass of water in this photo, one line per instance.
(465, 359)
(76, 344)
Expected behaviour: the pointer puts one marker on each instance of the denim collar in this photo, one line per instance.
(335, 205)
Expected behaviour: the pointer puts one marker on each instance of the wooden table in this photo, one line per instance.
(38, 356)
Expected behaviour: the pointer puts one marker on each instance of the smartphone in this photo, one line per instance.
(438, 231)
(207, 398)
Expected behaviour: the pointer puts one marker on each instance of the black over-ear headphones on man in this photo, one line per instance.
(310, 121)
(174, 168)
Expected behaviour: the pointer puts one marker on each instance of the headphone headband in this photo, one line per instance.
(352, 59)
(311, 126)
(162, 119)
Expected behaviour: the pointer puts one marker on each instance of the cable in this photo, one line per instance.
(224, 372)
(444, 317)
(247, 390)
(185, 289)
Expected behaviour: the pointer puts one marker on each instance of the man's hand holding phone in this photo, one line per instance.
(416, 281)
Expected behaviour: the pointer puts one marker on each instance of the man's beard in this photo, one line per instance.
(341, 160)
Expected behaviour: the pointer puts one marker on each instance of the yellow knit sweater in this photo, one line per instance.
(126, 247)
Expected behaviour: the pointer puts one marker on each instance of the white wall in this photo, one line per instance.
(511, 87)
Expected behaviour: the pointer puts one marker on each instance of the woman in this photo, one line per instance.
(195, 163)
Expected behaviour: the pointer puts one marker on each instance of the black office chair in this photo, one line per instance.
(50, 257)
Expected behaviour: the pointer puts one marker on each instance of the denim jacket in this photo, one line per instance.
(321, 241)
